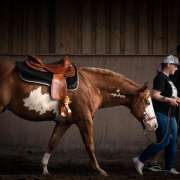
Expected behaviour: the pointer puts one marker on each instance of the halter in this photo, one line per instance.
(149, 118)
(146, 119)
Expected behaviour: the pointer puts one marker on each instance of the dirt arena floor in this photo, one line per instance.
(26, 166)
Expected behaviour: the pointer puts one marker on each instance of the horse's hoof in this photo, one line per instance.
(46, 174)
(103, 173)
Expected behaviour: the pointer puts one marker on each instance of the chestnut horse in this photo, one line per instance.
(98, 88)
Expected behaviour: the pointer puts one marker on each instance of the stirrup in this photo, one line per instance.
(65, 109)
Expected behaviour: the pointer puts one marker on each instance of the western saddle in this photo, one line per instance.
(58, 86)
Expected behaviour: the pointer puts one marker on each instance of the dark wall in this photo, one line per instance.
(89, 27)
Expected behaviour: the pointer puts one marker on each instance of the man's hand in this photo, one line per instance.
(172, 101)
(178, 100)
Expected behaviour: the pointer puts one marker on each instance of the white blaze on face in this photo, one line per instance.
(40, 103)
(150, 124)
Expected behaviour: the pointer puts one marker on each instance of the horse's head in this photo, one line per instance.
(143, 110)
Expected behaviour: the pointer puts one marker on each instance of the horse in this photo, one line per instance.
(98, 88)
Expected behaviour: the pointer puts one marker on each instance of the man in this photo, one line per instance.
(154, 165)
(165, 101)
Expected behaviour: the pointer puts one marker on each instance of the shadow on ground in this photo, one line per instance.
(28, 167)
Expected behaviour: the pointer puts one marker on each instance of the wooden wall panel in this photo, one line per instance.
(93, 27)
(165, 27)
(62, 39)
(31, 42)
(122, 26)
(115, 28)
(130, 26)
(108, 14)
(178, 22)
(44, 36)
(4, 27)
(173, 9)
(157, 27)
(100, 27)
(15, 28)
(143, 27)
(150, 13)
(87, 27)
(90, 27)
(68, 27)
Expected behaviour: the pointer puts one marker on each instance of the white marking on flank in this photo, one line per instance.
(40, 103)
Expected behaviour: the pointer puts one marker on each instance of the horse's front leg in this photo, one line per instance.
(56, 136)
(86, 130)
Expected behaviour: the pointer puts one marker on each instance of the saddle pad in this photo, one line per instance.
(44, 78)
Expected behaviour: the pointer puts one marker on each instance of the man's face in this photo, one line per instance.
(172, 68)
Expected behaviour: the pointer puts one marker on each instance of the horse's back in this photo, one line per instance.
(6, 67)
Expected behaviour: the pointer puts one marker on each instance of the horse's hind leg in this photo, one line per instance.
(1, 108)
(4, 99)
(5, 95)
(56, 136)
(86, 130)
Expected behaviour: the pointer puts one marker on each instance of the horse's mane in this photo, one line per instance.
(109, 73)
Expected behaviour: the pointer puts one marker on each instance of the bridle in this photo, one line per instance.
(143, 126)
(146, 117)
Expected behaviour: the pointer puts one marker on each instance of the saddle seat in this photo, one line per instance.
(63, 67)
(58, 86)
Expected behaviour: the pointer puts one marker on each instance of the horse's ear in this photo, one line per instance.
(144, 87)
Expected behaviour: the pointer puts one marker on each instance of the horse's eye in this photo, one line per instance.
(147, 102)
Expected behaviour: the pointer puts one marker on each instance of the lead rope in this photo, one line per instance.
(178, 118)
(178, 133)
(167, 130)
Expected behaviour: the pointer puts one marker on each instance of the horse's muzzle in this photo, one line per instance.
(150, 124)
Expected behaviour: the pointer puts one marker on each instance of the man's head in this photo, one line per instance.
(170, 63)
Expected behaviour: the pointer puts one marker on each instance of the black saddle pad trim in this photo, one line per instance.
(45, 78)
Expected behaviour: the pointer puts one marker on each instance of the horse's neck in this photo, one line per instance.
(118, 95)
(115, 89)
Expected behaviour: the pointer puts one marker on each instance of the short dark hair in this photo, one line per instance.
(178, 49)
(163, 65)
